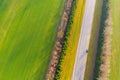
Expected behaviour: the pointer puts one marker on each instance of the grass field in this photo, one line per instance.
(89, 73)
(68, 61)
(115, 59)
(27, 34)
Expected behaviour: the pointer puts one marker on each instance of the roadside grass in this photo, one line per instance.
(89, 72)
(67, 62)
(28, 30)
(115, 59)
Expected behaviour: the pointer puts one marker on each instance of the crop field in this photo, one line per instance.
(69, 59)
(115, 59)
(27, 33)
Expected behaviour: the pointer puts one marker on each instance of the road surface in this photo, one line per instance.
(83, 45)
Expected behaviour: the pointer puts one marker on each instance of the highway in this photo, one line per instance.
(84, 40)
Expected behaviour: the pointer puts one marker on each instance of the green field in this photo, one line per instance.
(115, 60)
(27, 34)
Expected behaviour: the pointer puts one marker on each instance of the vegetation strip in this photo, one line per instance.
(65, 69)
(89, 72)
(68, 60)
(59, 41)
(106, 48)
(65, 41)
(102, 66)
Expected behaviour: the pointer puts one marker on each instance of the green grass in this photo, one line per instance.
(115, 59)
(27, 35)
(89, 73)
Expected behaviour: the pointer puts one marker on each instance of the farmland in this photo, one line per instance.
(115, 59)
(46, 39)
(27, 34)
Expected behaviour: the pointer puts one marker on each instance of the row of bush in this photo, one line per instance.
(101, 39)
(65, 41)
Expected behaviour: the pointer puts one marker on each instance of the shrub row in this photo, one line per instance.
(101, 39)
(65, 41)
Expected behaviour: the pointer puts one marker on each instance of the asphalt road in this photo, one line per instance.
(81, 56)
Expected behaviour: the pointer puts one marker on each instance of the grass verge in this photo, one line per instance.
(65, 68)
(93, 42)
